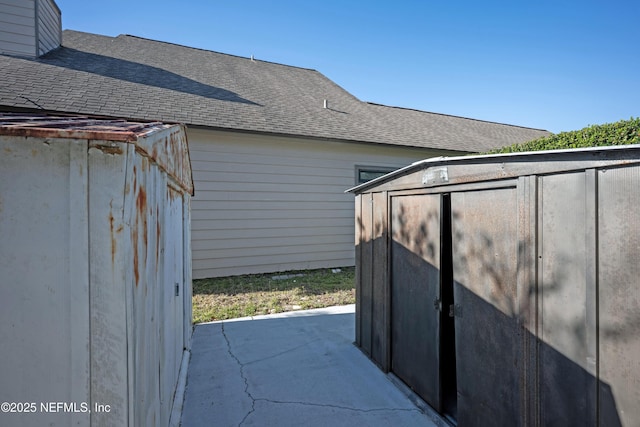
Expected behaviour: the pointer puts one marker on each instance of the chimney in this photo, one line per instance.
(30, 28)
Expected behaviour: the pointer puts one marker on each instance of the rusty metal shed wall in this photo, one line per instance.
(542, 287)
(165, 144)
(95, 263)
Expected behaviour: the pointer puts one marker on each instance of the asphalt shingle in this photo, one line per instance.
(141, 79)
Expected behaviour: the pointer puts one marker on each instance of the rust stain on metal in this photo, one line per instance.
(76, 127)
(112, 135)
(154, 152)
(174, 194)
(135, 181)
(109, 149)
(113, 238)
(134, 237)
(157, 236)
(136, 262)
(141, 151)
(170, 154)
(141, 221)
(169, 149)
(141, 201)
(114, 232)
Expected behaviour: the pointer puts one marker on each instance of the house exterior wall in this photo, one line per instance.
(17, 27)
(49, 22)
(266, 203)
(29, 28)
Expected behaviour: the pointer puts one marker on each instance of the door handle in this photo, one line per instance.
(455, 310)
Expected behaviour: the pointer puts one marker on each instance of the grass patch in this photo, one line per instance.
(251, 295)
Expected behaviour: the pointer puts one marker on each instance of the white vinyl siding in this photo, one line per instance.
(17, 27)
(24, 34)
(266, 204)
(49, 26)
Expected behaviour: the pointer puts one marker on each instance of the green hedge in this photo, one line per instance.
(618, 133)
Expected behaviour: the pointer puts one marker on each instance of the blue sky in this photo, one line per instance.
(555, 65)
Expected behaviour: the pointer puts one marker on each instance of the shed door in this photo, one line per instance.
(173, 294)
(415, 292)
(487, 337)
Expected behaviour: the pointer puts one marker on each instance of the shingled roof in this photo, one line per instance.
(140, 79)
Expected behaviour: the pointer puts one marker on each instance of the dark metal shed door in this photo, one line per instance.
(415, 292)
(488, 355)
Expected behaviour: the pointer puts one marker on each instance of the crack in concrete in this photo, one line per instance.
(283, 402)
(273, 356)
(244, 378)
(346, 408)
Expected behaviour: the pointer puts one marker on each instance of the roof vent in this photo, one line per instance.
(326, 104)
(252, 57)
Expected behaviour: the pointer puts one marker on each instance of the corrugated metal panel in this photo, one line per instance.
(487, 335)
(366, 279)
(44, 278)
(172, 300)
(187, 276)
(619, 296)
(527, 301)
(380, 268)
(108, 280)
(146, 294)
(565, 364)
(415, 293)
(361, 266)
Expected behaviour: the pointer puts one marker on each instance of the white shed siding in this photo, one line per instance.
(17, 27)
(44, 281)
(93, 250)
(265, 203)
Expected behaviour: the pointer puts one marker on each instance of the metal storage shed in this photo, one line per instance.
(95, 265)
(504, 289)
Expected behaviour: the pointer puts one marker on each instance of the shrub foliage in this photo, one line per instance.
(618, 133)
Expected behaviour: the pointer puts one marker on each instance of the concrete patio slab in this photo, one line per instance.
(291, 369)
